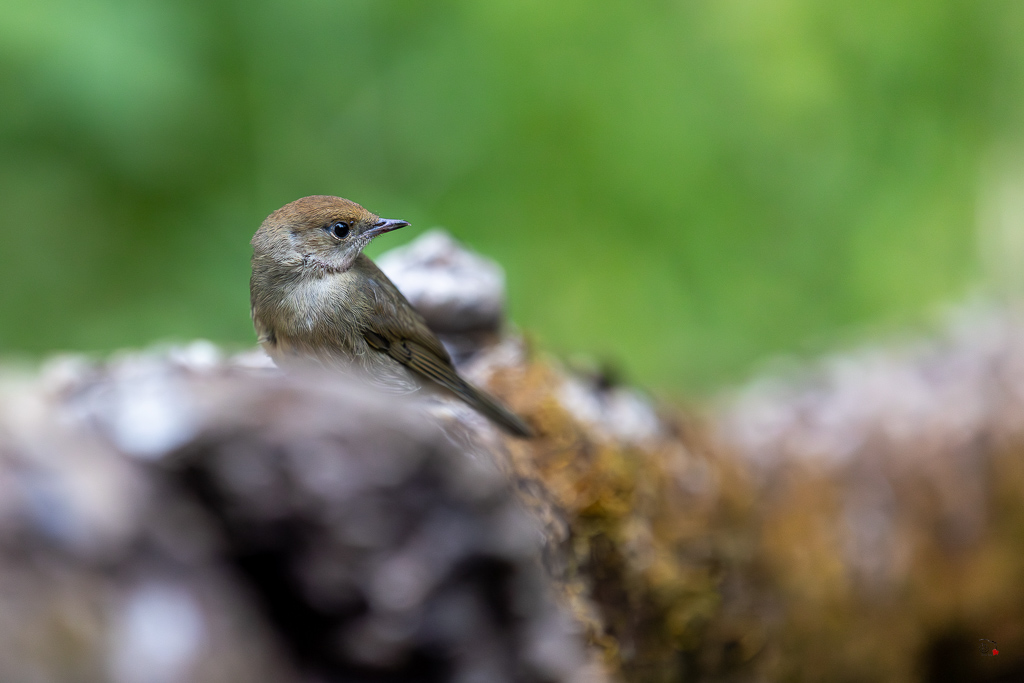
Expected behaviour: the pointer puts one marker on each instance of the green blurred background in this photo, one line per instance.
(684, 187)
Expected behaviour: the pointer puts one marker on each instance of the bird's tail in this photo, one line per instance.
(492, 409)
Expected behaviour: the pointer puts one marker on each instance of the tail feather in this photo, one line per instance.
(491, 408)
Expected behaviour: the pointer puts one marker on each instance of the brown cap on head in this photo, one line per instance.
(318, 210)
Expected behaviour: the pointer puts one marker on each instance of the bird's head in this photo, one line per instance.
(321, 231)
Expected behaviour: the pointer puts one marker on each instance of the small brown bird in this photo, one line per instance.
(317, 299)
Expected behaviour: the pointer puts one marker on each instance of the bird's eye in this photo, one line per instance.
(339, 230)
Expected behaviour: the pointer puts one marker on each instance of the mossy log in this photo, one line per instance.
(182, 515)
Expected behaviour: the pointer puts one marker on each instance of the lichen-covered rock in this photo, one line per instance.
(179, 515)
(174, 517)
(888, 512)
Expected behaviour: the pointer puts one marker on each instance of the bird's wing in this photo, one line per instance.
(394, 327)
(391, 318)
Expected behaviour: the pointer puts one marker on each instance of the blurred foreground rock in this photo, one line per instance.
(173, 521)
(176, 515)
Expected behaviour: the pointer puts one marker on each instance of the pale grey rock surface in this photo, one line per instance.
(176, 516)
(917, 398)
(615, 413)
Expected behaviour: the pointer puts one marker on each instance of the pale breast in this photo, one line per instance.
(317, 322)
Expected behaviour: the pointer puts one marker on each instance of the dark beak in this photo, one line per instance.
(384, 225)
